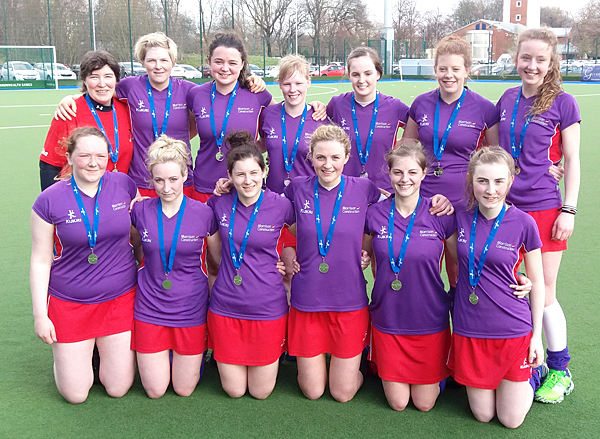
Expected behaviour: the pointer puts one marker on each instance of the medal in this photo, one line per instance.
(115, 169)
(287, 182)
(167, 267)
(163, 128)
(397, 264)
(219, 139)
(114, 152)
(364, 156)
(238, 258)
(325, 245)
(288, 162)
(440, 145)
(514, 148)
(473, 298)
(92, 233)
(475, 273)
(364, 174)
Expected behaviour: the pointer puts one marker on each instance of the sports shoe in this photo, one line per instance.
(555, 387)
(542, 370)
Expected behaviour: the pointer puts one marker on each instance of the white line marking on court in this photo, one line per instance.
(27, 106)
(585, 96)
(44, 114)
(29, 126)
(332, 90)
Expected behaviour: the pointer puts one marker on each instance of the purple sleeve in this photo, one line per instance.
(331, 106)
(265, 98)
(136, 212)
(261, 121)
(403, 111)
(531, 238)
(289, 214)
(412, 112)
(288, 191)
(211, 202)
(491, 114)
(368, 220)
(446, 225)
(569, 111)
(42, 207)
(123, 87)
(373, 192)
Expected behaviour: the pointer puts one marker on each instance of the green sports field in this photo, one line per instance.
(31, 407)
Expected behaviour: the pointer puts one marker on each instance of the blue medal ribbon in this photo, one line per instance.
(238, 258)
(161, 237)
(364, 156)
(92, 232)
(324, 246)
(516, 149)
(289, 162)
(114, 152)
(397, 264)
(439, 147)
(163, 128)
(213, 94)
(475, 275)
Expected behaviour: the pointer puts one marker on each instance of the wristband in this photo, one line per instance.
(521, 273)
(568, 209)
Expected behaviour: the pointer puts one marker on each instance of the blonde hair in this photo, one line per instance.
(290, 64)
(166, 149)
(407, 148)
(454, 45)
(552, 84)
(330, 133)
(155, 39)
(487, 155)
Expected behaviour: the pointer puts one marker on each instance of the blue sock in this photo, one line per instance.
(442, 385)
(558, 360)
(536, 379)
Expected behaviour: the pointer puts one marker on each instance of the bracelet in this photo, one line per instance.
(568, 209)
(521, 273)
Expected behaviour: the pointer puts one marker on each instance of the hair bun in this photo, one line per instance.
(239, 138)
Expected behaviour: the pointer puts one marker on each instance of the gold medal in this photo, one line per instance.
(237, 279)
(323, 267)
(219, 156)
(92, 259)
(473, 298)
(438, 172)
(396, 285)
(167, 284)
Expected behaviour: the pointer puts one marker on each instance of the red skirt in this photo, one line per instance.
(286, 239)
(341, 334)
(74, 322)
(484, 362)
(199, 196)
(246, 342)
(149, 339)
(411, 359)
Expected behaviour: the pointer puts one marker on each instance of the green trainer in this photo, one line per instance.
(555, 387)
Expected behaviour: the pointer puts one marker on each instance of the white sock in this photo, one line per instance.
(555, 327)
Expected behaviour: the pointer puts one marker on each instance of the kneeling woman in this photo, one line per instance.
(409, 308)
(91, 276)
(172, 298)
(497, 337)
(248, 314)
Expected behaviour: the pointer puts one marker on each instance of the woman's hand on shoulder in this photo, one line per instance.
(256, 84)
(66, 108)
(44, 329)
(136, 200)
(223, 186)
(320, 110)
(440, 206)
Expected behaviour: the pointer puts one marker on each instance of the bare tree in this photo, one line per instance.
(552, 16)
(267, 15)
(468, 11)
(587, 28)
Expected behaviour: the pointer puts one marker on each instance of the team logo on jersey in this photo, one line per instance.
(383, 125)
(119, 206)
(223, 222)
(271, 134)
(382, 233)
(203, 113)
(467, 124)
(190, 238)
(350, 209)
(506, 246)
(266, 227)
(461, 235)
(141, 107)
(72, 218)
(343, 122)
(145, 237)
(44, 153)
(525, 364)
(541, 121)
(245, 110)
(306, 208)
(428, 234)
(503, 115)
(424, 122)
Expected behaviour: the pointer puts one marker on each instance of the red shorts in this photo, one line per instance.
(246, 342)
(341, 334)
(187, 191)
(75, 322)
(149, 339)
(286, 239)
(545, 221)
(200, 196)
(411, 359)
(484, 362)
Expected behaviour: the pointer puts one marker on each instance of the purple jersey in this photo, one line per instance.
(499, 313)
(392, 114)
(422, 305)
(270, 130)
(261, 295)
(475, 116)
(343, 287)
(534, 188)
(186, 302)
(72, 277)
(133, 88)
(244, 116)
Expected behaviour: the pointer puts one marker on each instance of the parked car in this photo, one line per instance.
(18, 71)
(51, 71)
(185, 71)
(255, 70)
(273, 71)
(205, 70)
(76, 69)
(329, 70)
(138, 69)
(482, 69)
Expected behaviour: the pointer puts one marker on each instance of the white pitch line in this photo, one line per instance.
(29, 126)
(27, 106)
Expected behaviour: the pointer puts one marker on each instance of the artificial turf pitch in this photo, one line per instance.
(31, 407)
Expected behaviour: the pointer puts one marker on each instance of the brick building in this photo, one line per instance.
(483, 34)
